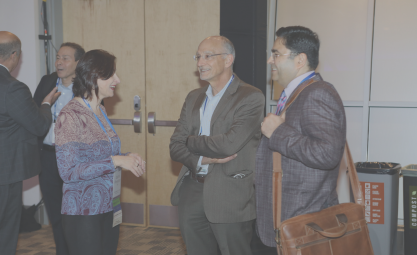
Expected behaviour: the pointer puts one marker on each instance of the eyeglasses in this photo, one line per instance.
(207, 56)
(275, 55)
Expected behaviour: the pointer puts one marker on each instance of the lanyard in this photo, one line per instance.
(205, 104)
(101, 124)
(55, 116)
(308, 77)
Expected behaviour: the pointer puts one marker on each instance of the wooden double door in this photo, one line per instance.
(154, 42)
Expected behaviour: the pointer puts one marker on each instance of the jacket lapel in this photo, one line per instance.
(317, 77)
(225, 101)
(195, 122)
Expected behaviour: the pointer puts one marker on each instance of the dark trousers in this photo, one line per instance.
(10, 211)
(203, 237)
(258, 248)
(51, 186)
(91, 234)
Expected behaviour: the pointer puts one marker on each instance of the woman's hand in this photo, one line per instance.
(132, 162)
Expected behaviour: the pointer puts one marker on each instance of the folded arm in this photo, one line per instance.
(178, 150)
(246, 122)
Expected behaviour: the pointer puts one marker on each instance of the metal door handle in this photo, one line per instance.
(136, 122)
(152, 123)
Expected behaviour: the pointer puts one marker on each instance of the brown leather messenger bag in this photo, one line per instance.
(337, 230)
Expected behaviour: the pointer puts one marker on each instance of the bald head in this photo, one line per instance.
(225, 43)
(9, 44)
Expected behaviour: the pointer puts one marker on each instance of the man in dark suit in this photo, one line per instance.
(310, 137)
(49, 179)
(21, 121)
(216, 139)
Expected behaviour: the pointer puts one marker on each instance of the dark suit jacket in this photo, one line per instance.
(21, 121)
(234, 128)
(47, 83)
(311, 142)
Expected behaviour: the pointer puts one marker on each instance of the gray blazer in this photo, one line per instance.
(311, 142)
(21, 121)
(235, 128)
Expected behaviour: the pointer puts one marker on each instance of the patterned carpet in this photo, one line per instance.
(133, 240)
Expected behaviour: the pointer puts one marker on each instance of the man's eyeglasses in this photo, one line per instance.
(207, 56)
(275, 55)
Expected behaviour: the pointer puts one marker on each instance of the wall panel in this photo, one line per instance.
(394, 53)
(342, 29)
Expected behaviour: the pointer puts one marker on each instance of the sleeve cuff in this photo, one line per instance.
(199, 162)
(46, 103)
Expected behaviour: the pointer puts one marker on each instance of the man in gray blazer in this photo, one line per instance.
(21, 121)
(310, 137)
(216, 139)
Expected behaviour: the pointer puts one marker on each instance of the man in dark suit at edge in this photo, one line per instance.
(310, 137)
(215, 192)
(21, 121)
(49, 179)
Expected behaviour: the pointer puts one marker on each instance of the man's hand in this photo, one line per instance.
(51, 97)
(206, 161)
(270, 123)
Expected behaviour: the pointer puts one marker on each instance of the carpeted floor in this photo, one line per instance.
(133, 240)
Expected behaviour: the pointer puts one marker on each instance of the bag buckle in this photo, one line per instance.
(277, 237)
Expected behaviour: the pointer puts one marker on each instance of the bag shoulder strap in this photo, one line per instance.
(277, 166)
(353, 176)
(277, 172)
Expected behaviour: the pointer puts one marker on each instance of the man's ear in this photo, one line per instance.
(229, 60)
(301, 60)
(14, 55)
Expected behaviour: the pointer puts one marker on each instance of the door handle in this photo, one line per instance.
(152, 123)
(136, 122)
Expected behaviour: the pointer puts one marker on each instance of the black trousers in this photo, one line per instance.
(51, 186)
(258, 248)
(10, 211)
(91, 234)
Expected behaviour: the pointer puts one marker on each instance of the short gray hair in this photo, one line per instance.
(8, 48)
(228, 46)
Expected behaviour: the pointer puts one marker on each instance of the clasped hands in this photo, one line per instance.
(132, 162)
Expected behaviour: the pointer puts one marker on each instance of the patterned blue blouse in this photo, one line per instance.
(83, 153)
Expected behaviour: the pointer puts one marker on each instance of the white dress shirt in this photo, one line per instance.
(294, 84)
(206, 112)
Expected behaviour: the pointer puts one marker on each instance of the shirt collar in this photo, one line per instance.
(209, 91)
(5, 67)
(294, 84)
(62, 85)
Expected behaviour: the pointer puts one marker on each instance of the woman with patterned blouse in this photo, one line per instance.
(88, 153)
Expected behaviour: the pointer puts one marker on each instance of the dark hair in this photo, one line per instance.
(79, 51)
(93, 65)
(8, 48)
(300, 39)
